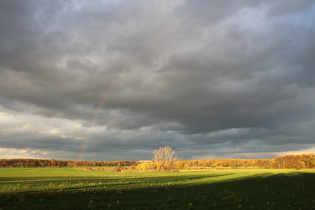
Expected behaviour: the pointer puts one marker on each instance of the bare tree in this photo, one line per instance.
(164, 159)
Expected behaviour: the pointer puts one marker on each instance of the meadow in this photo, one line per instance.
(75, 188)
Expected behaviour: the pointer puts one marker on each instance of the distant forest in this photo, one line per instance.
(288, 161)
(61, 163)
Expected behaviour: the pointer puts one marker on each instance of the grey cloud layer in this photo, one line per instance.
(190, 74)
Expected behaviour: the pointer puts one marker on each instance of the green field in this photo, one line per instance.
(74, 188)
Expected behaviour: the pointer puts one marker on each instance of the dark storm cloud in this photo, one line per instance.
(25, 141)
(189, 74)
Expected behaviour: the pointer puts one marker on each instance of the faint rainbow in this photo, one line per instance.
(99, 107)
(113, 84)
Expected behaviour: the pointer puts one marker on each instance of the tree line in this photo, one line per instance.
(169, 161)
(61, 163)
(284, 162)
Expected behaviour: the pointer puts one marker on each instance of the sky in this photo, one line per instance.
(116, 79)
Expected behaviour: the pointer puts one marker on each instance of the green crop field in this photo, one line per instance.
(74, 188)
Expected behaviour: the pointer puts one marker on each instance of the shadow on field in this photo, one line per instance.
(294, 190)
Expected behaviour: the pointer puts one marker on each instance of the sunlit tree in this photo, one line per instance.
(164, 159)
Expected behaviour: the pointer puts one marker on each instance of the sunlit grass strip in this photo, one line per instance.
(60, 179)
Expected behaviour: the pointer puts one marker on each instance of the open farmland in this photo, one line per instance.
(74, 188)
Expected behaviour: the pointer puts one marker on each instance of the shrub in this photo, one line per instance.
(144, 166)
(87, 169)
(133, 167)
(117, 170)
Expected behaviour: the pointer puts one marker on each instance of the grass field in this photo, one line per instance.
(74, 188)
